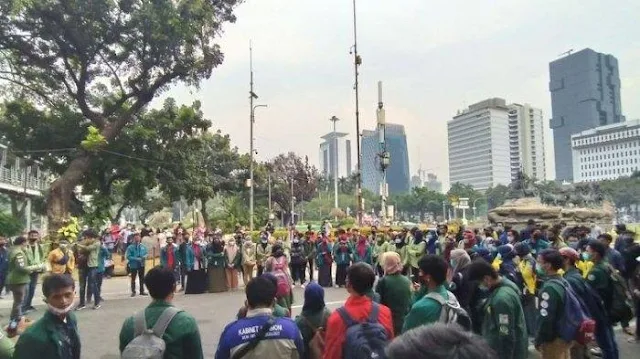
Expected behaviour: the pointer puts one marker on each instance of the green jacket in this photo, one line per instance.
(92, 250)
(503, 326)
(42, 339)
(18, 267)
(415, 252)
(395, 293)
(7, 346)
(424, 310)
(35, 254)
(551, 307)
(262, 253)
(599, 278)
(182, 336)
(403, 252)
(310, 249)
(380, 246)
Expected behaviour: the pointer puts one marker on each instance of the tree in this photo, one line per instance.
(101, 62)
(496, 196)
(9, 225)
(461, 190)
(287, 170)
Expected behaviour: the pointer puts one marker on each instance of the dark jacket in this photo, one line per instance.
(43, 339)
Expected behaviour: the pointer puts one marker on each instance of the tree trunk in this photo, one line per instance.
(61, 191)
(203, 211)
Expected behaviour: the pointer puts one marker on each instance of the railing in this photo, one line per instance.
(17, 178)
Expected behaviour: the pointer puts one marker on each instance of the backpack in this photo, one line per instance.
(621, 306)
(148, 343)
(451, 311)
(284, 286)
(364, 340)
(575, 322)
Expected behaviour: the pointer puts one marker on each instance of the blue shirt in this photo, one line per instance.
(136, 254)
(283, 340)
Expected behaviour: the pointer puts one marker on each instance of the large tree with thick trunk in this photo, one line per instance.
(103, 61)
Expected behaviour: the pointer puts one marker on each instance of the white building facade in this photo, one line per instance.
(526, 141)
(478, 139)
(606, 152)
(335, 148)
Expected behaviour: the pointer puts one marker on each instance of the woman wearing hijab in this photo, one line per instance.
(400, 247)
(458, 284)
(233, 259)
(394, 289)
(216, 264)
(342, 253)
(278, 266)
(196, 262)
(313, 317)
(363, 251)
(324, 261)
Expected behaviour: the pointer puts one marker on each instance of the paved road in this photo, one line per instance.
(99, 329)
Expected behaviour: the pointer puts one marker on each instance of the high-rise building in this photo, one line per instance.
(606, 152)
(398, 177)
(416, 181)
(433, 183)
(526, 141)
(490, 142)
(335, 147)
(585, 93)
(478, 145)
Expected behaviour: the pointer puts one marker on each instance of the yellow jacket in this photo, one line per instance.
(55, 256)
(528, 275)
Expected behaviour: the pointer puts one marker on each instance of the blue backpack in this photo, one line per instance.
(575, 323)
(364, 340)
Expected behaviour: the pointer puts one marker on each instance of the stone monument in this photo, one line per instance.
(577, 204)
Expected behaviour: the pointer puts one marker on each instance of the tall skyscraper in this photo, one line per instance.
(478, 145)
(398, 177)
(490, 141)
(335, 146)
(526, 141)
(585, 93)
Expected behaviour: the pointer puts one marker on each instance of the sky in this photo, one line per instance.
(434, 57)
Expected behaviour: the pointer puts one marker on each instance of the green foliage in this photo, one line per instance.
(9, 225)
(286, 169)
(624, 191)
(418, 202)
(94, 140)
(74, 64)
(496, 196)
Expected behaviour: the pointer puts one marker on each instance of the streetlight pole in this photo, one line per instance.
(474, 206)
(252, 119)
(269, 193)
(444, 211)
(334, 119)
(293, 200)
(356, 63)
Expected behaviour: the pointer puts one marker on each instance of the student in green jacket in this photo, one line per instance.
(35, 257)
(55, 335)
(432, 276)
(415, 251)
(182, 336)
(400, 247)
(380, 246)
(90, 247)
(18, 276)
(394, 289)
(503, 325)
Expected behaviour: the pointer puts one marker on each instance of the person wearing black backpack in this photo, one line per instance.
(605, 336)
(361, 328)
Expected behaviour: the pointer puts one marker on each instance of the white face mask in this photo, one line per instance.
(63, 311)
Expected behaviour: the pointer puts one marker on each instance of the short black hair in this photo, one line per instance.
(160, 282)
(598, 247)
(606, 237)
(478, 269)
(361, 277)
(439, 341)
(33, 231)
(260, 291)
(435, 266)
(19, 241)
(90, 233)
(531, 222)
(553, 257)
(55, 282)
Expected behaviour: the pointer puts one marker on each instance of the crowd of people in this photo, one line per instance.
(449, 292)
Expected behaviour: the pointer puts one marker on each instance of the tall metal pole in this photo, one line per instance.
(269, 193)
(356, 63)
(292, 202)
(384, 155)
(444, 212)
(334, 119)
(251, 121)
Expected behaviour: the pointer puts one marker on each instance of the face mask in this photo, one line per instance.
(64, 311)
(63, 245)
(295, 241)
(264, 240)
(452, 263)
(586, 256)
(540, 271)
(510, 239)
(232, 243)
(398, 240)
(483, 287)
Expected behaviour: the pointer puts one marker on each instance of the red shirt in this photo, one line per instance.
(358, 308)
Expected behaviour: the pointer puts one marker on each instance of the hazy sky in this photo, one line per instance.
(434, 58)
